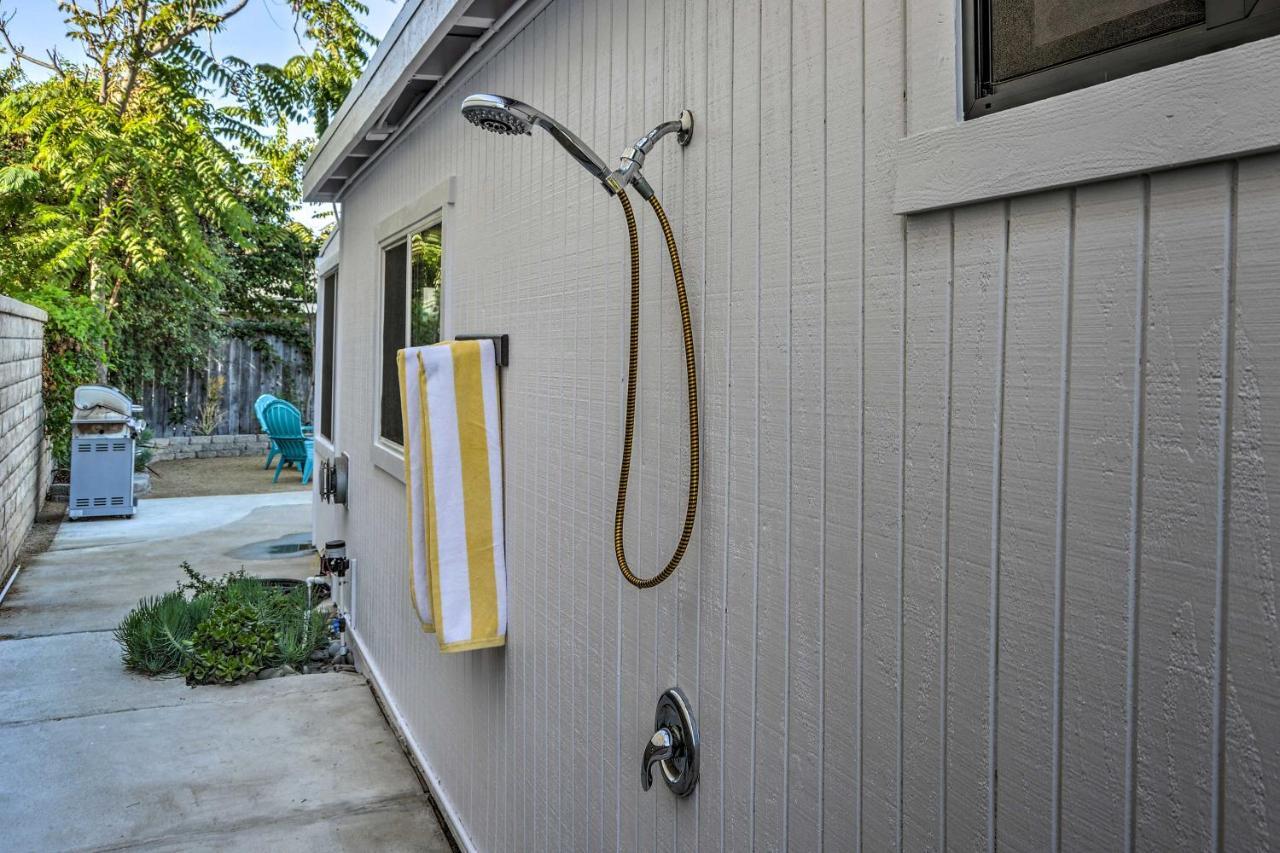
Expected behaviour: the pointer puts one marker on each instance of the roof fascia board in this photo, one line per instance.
(412, 37)
(512, 22)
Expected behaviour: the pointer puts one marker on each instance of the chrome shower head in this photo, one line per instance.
(493, 113)
(500, 114)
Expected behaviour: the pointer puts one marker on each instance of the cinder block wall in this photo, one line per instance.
(24, 452)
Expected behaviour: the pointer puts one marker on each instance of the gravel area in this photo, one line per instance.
(233, 475)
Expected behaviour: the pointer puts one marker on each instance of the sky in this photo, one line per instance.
(262, 32)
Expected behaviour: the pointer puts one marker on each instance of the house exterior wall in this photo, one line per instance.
(984, 550)
(24, 452)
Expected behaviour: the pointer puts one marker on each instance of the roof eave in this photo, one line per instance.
(424, 42)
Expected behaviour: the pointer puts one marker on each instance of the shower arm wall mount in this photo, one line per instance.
(628, 171)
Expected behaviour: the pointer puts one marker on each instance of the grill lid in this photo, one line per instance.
(99, 406)
(88, 397)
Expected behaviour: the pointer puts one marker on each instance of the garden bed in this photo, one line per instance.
(233, 629)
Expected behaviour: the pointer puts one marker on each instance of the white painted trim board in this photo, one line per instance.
(1216, 106)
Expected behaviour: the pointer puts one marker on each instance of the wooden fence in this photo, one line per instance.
(248, 369)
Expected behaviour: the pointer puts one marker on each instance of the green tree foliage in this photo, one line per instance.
(145, 191)
(269, 278)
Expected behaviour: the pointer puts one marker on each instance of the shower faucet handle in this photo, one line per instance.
(661, 747)
(674, 745)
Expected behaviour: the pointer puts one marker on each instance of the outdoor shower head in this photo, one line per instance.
(500, 114)
(496, 114)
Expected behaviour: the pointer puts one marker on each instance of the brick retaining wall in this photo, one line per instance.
(24, 453)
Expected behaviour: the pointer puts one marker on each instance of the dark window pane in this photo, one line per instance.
(1020, 51)
(424, 295)
(328, 324)
(1030, 35)
(395, 262)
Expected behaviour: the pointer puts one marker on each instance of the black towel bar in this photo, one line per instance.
(501, 346)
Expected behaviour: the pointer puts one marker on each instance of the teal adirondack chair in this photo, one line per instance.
(260, 406)
(284, 425)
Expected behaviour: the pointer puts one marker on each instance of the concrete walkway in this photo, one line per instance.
(96, 758)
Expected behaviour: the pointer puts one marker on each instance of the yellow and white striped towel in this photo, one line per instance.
(414, 454)
(458, 437)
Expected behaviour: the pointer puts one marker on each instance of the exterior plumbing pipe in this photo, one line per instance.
(628, 171)
(312, 581)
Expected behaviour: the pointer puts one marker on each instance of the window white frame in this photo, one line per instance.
(1214, 106)
(328, 263)
(431, 208)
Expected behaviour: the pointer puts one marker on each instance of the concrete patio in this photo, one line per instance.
(98, 758)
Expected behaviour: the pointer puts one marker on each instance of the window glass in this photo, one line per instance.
(1019, 51)
(328, 326)
(1028, 35)
(424, 295)
(412, 279)
(394, 274)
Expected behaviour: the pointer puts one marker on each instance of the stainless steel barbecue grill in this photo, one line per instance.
(104, 435)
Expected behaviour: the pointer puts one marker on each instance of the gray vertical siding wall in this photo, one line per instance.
(24, 453)
(984, 554)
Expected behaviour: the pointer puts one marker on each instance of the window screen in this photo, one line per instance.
(1019, 51)
(328, 326)
(412, 278)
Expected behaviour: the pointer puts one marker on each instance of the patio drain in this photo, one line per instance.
(283, 547)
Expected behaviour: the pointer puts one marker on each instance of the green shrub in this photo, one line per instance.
(232, 642)
(199, 585)
(250, 591)
(298, 632)
(146, 450)
(228, 628)
(154, 636)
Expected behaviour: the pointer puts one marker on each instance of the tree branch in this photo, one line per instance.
(194, 25)
(56, 62)
(134, 60)
(19, 54)
(80, 18)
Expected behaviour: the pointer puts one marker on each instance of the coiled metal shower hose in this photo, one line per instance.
(633, 364)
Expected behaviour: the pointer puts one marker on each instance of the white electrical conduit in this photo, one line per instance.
(13, 577)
